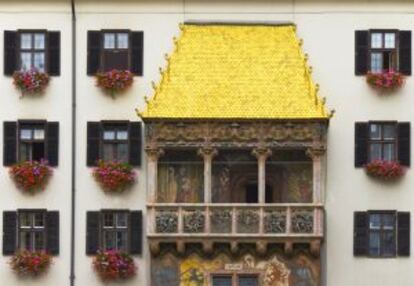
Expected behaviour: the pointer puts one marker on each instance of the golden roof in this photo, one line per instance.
(235, 71)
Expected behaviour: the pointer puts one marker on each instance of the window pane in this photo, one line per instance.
(122, 155)
(248, 281)
(375, 151)
(122, 220)
(389, 131)
(39, 134)
(39, 240)
(389, 152)
(26, 41)
(38, 220)
(109, 220)
(121, 240)
(25, 241)
(109, 41)
(221, 280)
(26, 134)
(24, 152)
(375, 221)
(26, 61)
(389, 40)
(376, 40)
(108, 151)
(25, 220)
(39, 41)
(388, 221)
(122, 41)
(374, 243)
(122, 135)
(109, 135)
(109, 240)
(375, 131)
(376, 62)
(388, 243)
(39, 61)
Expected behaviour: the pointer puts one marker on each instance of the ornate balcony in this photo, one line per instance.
(261, 224)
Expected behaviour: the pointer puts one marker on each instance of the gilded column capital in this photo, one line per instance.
(154, 153)
(261, 152)
(208, 152)
(315, 153)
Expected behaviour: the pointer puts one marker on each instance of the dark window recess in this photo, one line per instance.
(382, 141)
(27, 49)
(382, 50)
(381, 234)
(114, 141)
(235, 279)
(114, 230)
(115, 49)
(33, 230)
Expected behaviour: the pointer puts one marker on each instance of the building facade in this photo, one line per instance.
(242, 176)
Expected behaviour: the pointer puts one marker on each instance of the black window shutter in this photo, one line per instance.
(403, 235)
(136, 232)
(94, 136)
(10, 52)
(53, 143)
(94, 52)
(10, 143)
(9, 232)
(404, 143)
(137, 52)
(361, 52)
(135, 142)
(92, 232)
(52, 227)
(53, 53)
(361, 143)
(360, 233)
(405, 52)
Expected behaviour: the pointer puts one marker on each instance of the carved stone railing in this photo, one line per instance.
(235, 223)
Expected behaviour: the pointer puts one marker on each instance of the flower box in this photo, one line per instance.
(30, 263)
(114, 81)
(31, 176)
(114, 265)
(31, 81)
(114, 176)
(384, 169)
(387, 80)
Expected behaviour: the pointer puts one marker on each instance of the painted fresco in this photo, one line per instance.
(276, 270)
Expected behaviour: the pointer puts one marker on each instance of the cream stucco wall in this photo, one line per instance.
(327, 28)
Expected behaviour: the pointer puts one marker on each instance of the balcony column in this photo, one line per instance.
(152, 172)
(317, 156)
(208, 154)
(261, 155)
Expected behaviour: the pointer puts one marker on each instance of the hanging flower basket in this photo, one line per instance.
(384, 169)
(387, 80)
(31, 176)
(114, 81)
(114, 265)
(31, 81)
(114, 176)
(26, 263)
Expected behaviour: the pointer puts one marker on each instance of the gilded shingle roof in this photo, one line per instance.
(236, 72)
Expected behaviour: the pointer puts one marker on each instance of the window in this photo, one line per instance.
(115, 49)
(381, 233)
(382, 141)
(32, 51)
(235, 280)
(32, 142)
(114, 229)
(114, 141)
(383, 51)
(32, 231)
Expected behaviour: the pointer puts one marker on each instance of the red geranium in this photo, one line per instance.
(31, 81)
(30, 263)
(386, 80)
(31, 176)
(384, 169)
(115, 80)
(113, 265)
(114, 176)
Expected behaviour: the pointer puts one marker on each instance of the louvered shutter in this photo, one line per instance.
(94, 52)
(53, 53)
(92, 232)
(137, 52)
(403, 234)
(9, 232)
(10, 52)
(361, 52)
(360, 233)
(361, 143)
(52, 227)
(136, 232)
(405, 52)
(53, 143)
(404, 153)
(94, 136)
(135, 143)
(10, 143)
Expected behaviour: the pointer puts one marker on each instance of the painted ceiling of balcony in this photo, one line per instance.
(235, 71)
